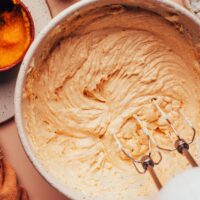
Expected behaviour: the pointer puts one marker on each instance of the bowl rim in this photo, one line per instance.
(32, 34)
(21, 79)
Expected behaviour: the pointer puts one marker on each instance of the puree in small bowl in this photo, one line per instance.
(16, 34)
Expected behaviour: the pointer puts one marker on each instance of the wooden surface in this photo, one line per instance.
(36, 186)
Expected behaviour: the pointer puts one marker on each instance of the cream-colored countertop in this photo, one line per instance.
(36, 186)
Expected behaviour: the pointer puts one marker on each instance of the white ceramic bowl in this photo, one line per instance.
(55, 30)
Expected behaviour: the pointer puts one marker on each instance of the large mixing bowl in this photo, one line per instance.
(54, 31)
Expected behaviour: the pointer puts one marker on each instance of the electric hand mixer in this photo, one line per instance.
(180, 145)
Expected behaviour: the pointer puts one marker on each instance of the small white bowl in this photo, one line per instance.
(53, 31)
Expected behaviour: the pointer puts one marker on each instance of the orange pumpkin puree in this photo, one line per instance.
(15, 36)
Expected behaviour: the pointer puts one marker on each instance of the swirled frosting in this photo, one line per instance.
(90, 87)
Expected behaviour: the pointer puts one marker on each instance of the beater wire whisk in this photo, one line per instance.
(180, 144)
(146, 160)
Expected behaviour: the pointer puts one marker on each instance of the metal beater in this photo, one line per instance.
(180, 145)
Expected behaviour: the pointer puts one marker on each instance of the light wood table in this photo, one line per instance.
(36, 186)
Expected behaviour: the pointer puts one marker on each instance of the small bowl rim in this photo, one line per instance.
(187, 4)
(32, 34)
(22, 77)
